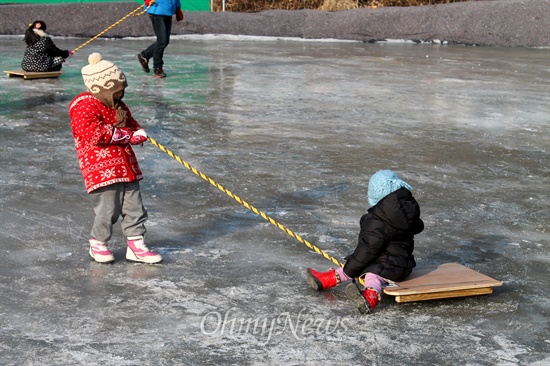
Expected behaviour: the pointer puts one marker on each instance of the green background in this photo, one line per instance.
(188, 5)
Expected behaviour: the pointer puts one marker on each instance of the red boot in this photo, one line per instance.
(322, 280)
(365, 300)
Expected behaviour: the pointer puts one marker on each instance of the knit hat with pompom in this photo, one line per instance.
(103, 79)
(383, 183)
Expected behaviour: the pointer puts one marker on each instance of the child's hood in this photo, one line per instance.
(400, 210)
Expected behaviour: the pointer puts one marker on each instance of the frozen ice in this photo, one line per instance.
(295, 128)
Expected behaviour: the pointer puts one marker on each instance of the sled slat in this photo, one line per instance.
(33, 75)
(440, 282)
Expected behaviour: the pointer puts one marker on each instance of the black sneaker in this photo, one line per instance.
(143, 62)
(159, 74)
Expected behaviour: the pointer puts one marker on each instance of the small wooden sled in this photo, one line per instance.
(34, 75)
(441, 282)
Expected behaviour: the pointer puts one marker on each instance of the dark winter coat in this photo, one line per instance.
(386, 239)
(43, 55)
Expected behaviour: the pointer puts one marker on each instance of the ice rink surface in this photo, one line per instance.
(295, 128)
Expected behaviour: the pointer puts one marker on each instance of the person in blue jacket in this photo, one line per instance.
(160, 12)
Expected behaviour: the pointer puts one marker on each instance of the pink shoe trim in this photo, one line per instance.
(138, 252)
(141, 251)
(101, 251)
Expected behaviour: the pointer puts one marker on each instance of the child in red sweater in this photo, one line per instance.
(104, 130)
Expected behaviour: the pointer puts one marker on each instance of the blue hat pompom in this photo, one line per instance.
(383, 183)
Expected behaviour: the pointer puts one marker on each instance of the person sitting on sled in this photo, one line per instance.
(104, 130)
(41, 54)
(386, 242)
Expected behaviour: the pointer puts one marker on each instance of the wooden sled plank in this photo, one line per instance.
(440, 282)
(444, 294)
(33, 75)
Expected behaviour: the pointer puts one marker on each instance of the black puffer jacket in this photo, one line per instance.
(386, 240)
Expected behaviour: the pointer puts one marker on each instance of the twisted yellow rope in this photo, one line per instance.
(114, 24)
(245, 204)
(248, 206)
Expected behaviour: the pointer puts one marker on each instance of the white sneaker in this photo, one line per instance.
(100, 253)
(138, 252)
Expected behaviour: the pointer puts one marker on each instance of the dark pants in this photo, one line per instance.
(162, 26)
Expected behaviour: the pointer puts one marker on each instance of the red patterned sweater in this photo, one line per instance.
(101, 162)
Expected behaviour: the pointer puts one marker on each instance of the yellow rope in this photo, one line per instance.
(247, 205)
(113, 25)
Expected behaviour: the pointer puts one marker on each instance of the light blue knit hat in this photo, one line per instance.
(383, 183)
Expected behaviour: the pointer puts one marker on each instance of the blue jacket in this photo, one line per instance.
(164, 7)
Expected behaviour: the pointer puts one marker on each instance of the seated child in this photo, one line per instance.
(386, 242)
(42, 54)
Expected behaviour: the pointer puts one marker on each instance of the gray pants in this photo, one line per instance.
(110, 203)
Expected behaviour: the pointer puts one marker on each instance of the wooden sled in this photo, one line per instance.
(441, 282)
(34, 75)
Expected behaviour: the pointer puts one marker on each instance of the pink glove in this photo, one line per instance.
(179, 15)
(70, 53)
(138, 137)
(121, 136)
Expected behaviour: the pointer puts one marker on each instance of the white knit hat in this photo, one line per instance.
(103, 78)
